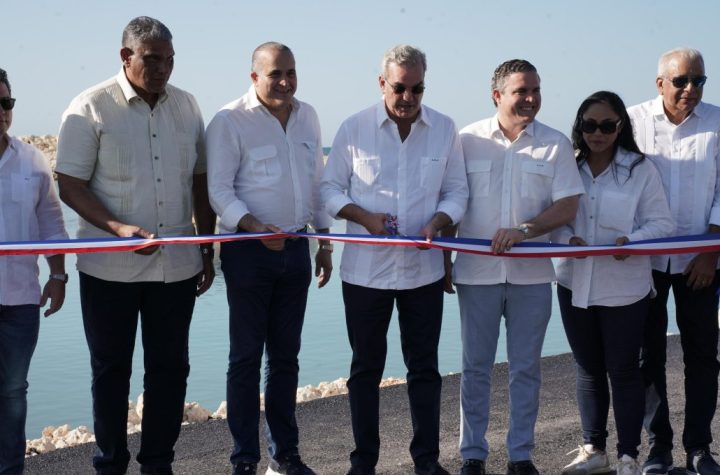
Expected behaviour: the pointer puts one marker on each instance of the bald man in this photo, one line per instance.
(264, 165)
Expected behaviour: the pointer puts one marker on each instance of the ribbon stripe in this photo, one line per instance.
(674, 245)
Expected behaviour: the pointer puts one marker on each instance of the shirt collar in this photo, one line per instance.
(658, 109)
(381, 115)
(129, 92)
(497, 132)
(253, 101)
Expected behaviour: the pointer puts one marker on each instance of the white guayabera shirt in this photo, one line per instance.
(615, 205)
(371, 167)
(29, 211)
(511, 183)
(688, 159)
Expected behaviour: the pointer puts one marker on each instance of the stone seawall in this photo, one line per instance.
(46, 143)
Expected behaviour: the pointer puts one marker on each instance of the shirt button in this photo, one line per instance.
(154, 135)
(157, 158)
(592, 197)
(591, 217)
(159, 180)
(160, 225)
(160, 203)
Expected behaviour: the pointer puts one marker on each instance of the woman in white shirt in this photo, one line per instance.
(604, 300)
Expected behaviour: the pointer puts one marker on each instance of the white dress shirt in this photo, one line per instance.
(29, 211)
(370, 166)
(511, 183)
(256, 167)
(139, 162)
(615, 205)
(686, 155)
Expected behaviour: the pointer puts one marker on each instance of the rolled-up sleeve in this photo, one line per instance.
(224, 153)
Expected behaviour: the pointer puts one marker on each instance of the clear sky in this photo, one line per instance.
(53, 50)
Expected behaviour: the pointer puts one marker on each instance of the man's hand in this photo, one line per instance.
(577, 241)
(129, 230)
(438, 222)
(206, 277)
(505, 239)
(323, 266)
(621, 241)
(375, 223)
(54, 290)
(250, 224)
(701, 270)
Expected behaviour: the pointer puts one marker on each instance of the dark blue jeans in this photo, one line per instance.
(110, 317)
(606, 341)
(696, 313)
(367, 315)
(19, 326)
(267, 293)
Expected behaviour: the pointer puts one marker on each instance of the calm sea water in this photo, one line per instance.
(60, 372)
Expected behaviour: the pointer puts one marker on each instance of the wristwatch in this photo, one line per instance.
(208, 251)
(327, 247)
(61, 277)
(523, 228)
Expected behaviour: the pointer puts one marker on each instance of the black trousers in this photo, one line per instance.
(367, 315)
(697, 318)
(110, 317)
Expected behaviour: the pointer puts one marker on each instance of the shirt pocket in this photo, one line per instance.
(537, 178)
(617, 212)
(24, 189)
(478, 172)
(305, 157)
(432, 170)
(264, 163)
(366, 170)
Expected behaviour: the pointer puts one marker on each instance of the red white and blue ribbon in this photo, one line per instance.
(673, 245)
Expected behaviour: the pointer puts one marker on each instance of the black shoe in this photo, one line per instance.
(522, 467)
(146, 470)
(473, 467)
(701, 462)
(290, 465)
(244, 468)
(432, 468)
(361, 471)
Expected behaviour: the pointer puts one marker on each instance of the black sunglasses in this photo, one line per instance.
(607, 127)
(401, 88)
(7, 103)
(681, 81)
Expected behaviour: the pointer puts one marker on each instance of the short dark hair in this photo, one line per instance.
(4, 79)
(268, 45)
(625, 138)
(507, 68)
(142, 29)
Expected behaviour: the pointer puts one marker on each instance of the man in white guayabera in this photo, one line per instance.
(395, 168)
(524, 183)
(131, 162)
(29, 211)
(264, 166)
(680, 134)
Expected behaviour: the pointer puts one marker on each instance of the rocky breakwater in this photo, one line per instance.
(46, 143)
(53, 438)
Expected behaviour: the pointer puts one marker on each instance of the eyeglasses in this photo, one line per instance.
(401, 88)
(607, 127)
(681, 81)
(7, 103)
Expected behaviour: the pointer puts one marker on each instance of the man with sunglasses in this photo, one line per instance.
(265, 161)
(131, 162)
(524, 183)
(680, 134)
(29, 211)
(395, 168)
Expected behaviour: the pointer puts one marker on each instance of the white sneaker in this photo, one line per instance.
(588, 461)
(627, 466)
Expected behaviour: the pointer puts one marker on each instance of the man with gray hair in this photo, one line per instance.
(265, 161)
(681, 135)
(395, 168)
(131, 162)
(524, 183)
